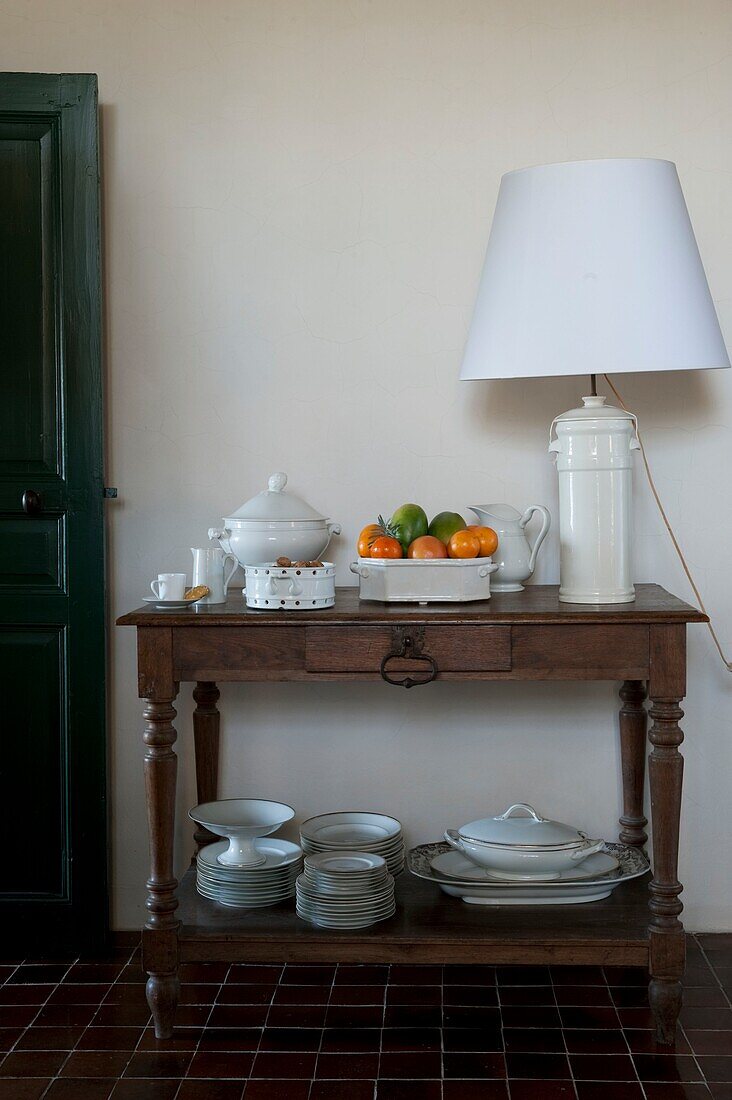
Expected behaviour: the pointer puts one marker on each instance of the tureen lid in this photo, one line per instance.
(530, 830)
(273, 503)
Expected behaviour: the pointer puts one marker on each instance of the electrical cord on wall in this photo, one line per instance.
(669, 528)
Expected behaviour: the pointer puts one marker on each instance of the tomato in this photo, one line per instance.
(427, 546)
(464, 544)
(367, 538)
(386, 547)
(488, 539)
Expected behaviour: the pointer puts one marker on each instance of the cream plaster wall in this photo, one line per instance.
(297, 195)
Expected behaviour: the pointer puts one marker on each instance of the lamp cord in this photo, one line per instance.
(669, 528)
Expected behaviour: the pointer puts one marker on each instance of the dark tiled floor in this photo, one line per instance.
(73, 1030)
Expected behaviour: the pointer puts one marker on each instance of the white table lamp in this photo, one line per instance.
(592, 267)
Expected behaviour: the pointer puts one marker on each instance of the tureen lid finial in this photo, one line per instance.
(277, 482)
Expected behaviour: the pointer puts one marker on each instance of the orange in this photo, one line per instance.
(488, 539)
(427, 546)
(464, 544)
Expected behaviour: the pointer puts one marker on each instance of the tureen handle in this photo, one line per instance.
(334, 529)
(221, 535)
(522, 806)
(452, 836)
(277, 483)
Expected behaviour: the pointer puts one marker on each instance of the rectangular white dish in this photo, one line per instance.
(424, 580)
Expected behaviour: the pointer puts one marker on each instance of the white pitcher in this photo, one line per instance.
(209, 568)
(515, 556)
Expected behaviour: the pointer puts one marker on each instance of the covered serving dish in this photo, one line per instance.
(519, 843)
(275, 524)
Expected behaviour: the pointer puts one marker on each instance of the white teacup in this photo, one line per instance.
(169, 586)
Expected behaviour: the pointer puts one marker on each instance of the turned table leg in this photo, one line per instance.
(206, 723)
(160, 936)
(666, 766)
(633, 758)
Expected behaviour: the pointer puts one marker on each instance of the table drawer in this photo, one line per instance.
(454, 648)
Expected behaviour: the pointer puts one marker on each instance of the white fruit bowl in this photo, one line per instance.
(241, 821)
(424, 580)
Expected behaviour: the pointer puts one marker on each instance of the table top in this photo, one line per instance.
(538, 603)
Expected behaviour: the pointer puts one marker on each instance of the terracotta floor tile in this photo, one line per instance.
(469, 1016)
(256, 975)
(65, 1016)
(9, 1037)
(589, 1016)
(210, 1090)
(362, 975)
(290, 1038)
(277, 1090)
(529, 995)
(17, 1015)
(349, 994)
(716, 1067)
(710, 1042)
(540, 1066)
(183, 1038)
(415, 975)
(602, 1067)
(198, 994)
(123, 1016)
(609, 1090)
(25, 994)
(577, 975)
(544, 1090)
(140, 1089)
(32, 1063)
(93, 972)
(81, 1088)
(667, 1067)
(294, 1016)
(595, 1041)
(78, 995)
(346, 1066)
(643, 1041)
(474, 1090)
(543, 1016)
(296, 974)
(154, 1063)
(479, 995)
(413, 995)
(238, 1016)
(575, 995)
(96, 1063)
(410, 1065)
(109, 1038)
(339, 1090)
(472, 1039)
(50, 1038)
(705, 996)
(535, 1040)
(315, 994)
(373, 1015)
(212, 1063)
(204, 972)
(408, 1090)
(272, 1065)
(713, 1019)
(673, 1091)
(344, 1040)
(523, 975)
(38, 974)
(23, 1088)
(469, 975)
(230, 1038)
(474, 1065)
(244, 994)
(396, 1039)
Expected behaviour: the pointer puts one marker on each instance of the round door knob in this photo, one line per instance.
(32, 503)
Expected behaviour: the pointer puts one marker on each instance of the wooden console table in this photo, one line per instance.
(517, 636)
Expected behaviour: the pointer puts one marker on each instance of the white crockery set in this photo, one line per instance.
(521, 858)
(355, 831)
(249, 868)
(345, 890)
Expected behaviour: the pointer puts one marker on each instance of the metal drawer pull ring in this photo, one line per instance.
(408, 642)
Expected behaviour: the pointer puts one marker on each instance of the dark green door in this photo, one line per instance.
(53, 889)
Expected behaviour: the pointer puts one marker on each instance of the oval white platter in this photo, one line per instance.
(632, 863)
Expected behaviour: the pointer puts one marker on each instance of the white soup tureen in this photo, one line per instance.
(275, 524)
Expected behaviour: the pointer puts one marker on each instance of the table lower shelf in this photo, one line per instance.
(428, 927)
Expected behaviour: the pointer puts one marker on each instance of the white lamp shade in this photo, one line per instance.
(592, 266)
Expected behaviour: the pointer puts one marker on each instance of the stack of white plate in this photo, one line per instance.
(345, 890)
(355, 831)
(253, 887)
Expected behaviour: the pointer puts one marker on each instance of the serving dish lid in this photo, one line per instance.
(530, 830)
(273, 504)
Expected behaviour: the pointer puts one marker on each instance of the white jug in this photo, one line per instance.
(515, 556)
(208, 569)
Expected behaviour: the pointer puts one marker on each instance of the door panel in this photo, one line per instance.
(33, 716)
(52, 664)
(32, 553)
(28, 412)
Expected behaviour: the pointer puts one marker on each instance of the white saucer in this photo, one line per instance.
(170, 605)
